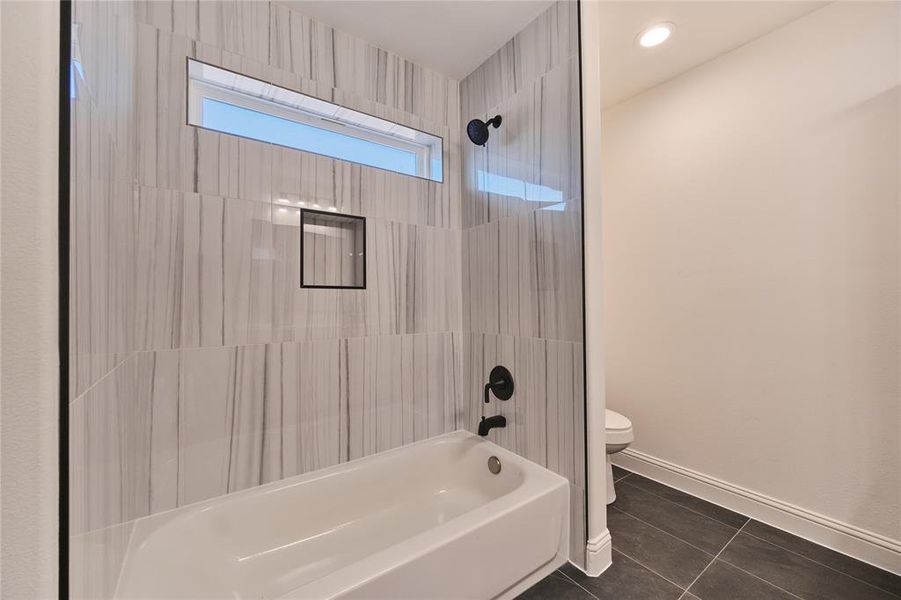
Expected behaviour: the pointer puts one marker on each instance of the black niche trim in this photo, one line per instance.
(328, 213)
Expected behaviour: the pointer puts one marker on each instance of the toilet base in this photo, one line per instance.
(611, 492)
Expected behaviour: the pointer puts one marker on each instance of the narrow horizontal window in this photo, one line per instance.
(231, 103)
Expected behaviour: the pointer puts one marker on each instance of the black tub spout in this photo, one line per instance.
(487, 424)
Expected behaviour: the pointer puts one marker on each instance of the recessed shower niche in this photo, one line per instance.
(332, 250)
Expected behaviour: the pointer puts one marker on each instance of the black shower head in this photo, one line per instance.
(477, 130)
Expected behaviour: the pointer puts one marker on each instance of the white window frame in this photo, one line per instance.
(198, 90)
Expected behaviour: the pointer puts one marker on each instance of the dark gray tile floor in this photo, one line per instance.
(669, 545)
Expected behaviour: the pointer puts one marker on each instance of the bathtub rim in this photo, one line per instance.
(536, 478)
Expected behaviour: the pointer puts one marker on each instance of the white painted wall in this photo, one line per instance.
(29, 386)
(753, 267)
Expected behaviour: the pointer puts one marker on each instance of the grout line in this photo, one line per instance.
(638, 562)
(726, 545)
(577, 584)
(623, 477)
(667, 532)
(760, 578)
(747, 518)
(815, 561)
(103, 377)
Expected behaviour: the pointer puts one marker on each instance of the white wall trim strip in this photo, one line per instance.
(859, 543)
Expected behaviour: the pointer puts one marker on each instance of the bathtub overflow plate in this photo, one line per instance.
(494, 465)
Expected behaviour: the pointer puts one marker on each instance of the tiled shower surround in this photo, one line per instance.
(201, 367)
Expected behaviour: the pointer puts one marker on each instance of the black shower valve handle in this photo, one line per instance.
(500, 382)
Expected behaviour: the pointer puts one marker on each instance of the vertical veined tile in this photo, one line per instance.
(158, 381)
(110, 450)
(560, 413)
(322, 53)
(234, 167)
(206, 421)
(529, 404)
(167, 152)
(91, 260)
(290, 41)
(95, 560)
(248, 424)
(559, 124)
(285, 281)
(548, 41)
(173, 17)
(558, 256)
(240, 26)
(374, 374)
(159, 237)
(485, 283)
(317, 403)
(386, 276)
(228, 272)
(247, 272)
(203, 316)
(276, 434)
(434, 384)
(353, 395)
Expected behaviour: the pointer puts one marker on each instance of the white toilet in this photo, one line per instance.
(619, 436)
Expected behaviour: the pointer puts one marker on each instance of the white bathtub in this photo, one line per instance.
(428, 520)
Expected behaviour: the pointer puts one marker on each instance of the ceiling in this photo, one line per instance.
(703, 31)
(451, 36)
(455, 36)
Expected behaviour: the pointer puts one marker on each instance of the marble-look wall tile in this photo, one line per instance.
(204, 270)
(533, 160)
(215, 271)
(200, 365)
(159, 265)
(548, 41)
(523, 276)
(522, 248)
(413, 286)
(318, 52)
(227, 272)
(108, 471)
(172, 427)
(400, 389)
(102, 248)
(545, 416)
(96, 560)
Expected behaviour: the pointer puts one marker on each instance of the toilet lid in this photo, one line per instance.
(616, 421)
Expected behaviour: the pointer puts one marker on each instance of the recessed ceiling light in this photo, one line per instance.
(656, 35)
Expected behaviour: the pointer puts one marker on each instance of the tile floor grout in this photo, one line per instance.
(713, 560)
(767, 581)
(576, 583)
(738, 572)
(833, 569)
(670, 534)
(638, 562)
(747, 518)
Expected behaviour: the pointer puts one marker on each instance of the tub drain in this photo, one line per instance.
(494, 465)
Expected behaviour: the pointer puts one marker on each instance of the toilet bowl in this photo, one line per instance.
(618, 437)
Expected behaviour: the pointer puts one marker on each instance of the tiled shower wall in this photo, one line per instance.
(200, 367)
(522, 248)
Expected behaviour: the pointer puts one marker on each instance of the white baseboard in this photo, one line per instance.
(598, 554)
(861, 544)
